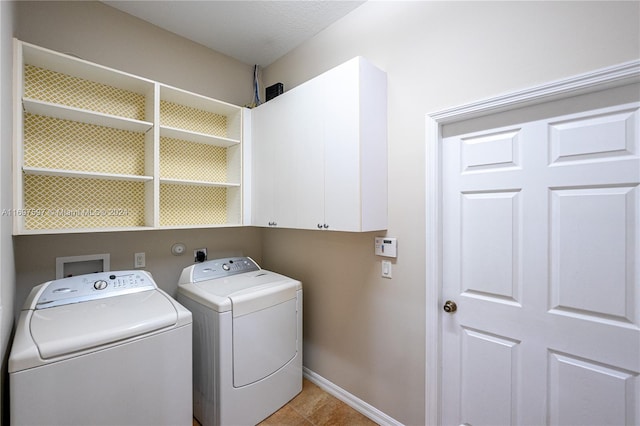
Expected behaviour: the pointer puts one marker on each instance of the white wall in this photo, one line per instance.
(7, 269)
(363, 332)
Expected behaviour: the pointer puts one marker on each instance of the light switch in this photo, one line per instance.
(386, 269)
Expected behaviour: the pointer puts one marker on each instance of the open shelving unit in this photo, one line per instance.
(97, 149)
(200, 158)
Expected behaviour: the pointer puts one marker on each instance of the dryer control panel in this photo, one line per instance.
(219, 268)
(87, 287)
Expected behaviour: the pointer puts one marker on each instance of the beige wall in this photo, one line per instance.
(363, 332)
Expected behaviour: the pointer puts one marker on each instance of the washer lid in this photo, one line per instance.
(71, 328)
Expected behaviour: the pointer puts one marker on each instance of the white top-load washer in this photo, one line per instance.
(247, 342)
(108, 348)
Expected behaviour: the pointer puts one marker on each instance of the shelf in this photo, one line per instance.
(36, 171)
(200, 226)
(182, 160)
(198, 114)
(197, 137)
(51, 143)
(182, 205)
(198, 183)
(87, 230)
(195, 101)
(72, 202)
(63, 112)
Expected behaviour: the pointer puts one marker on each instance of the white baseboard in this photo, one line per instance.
(349, 399)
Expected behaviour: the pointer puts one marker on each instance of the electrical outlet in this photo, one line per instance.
(200, 255)
(138, 260)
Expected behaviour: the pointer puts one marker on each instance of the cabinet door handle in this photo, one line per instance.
(319, 226)
(325, 226)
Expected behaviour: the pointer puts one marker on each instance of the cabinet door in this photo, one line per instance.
(355, 176)
(284, 162)
(288, 160)
(342, 149)
(264, 137)
(306, 146)
(275, 182)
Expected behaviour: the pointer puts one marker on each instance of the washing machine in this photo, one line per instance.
(101, 349)
(247, 341)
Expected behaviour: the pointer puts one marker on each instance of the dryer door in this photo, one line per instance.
(263, 342)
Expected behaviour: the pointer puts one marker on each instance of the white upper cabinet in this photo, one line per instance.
(320, 153)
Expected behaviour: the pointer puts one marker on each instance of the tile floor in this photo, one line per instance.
(314, 407)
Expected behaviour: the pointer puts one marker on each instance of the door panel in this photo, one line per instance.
(608, 135)
(583, 392)
(541, 227)
(492, 151)
(490, 240)
(591, 262)
(491, 383)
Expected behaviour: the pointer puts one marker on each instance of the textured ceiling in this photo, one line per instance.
(254, 32)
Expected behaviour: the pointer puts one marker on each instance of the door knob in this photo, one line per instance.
(450, 306)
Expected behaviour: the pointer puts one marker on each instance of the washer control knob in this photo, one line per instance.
(100, 285)
(225, 267)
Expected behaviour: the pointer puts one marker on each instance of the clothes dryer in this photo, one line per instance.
(102, 349)
(247, 340)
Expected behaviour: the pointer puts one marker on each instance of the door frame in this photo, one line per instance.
(604, 78)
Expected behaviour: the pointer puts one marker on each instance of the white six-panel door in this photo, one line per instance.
(541, 255)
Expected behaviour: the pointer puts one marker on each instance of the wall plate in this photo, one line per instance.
(78, 265)
(386, 246)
